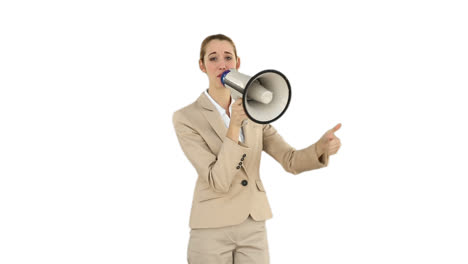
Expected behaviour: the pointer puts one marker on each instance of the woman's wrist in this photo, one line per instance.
(233, 132)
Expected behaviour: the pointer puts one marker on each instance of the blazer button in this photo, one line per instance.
(242, 159)
(240, 163)
(238, 167)
(244, 155)
(244, 183)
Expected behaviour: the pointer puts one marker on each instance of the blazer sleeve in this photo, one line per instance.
(218, 170)
(292, 160)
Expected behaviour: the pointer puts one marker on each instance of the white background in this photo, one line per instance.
(92, 172)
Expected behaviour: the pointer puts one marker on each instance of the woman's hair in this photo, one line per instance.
(212, 37)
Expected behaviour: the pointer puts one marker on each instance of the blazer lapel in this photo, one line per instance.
(212, 115)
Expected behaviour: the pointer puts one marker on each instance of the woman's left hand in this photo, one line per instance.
(329, 142)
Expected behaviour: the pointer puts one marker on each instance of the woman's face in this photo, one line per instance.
(219, 56)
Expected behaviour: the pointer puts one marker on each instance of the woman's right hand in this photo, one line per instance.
(237, 113)
(237, 116)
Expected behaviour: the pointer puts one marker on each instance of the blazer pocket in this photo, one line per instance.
(260, 185)
(208, 194)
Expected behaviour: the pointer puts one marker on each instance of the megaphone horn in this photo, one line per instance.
(266, 95)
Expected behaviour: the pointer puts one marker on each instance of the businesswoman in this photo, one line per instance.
(230, 205)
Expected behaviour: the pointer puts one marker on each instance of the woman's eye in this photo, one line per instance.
(228, 58)
(213, 59)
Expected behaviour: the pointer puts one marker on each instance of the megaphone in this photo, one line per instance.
(266, 95)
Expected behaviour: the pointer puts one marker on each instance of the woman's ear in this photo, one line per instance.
(238, 63)
(202, 66)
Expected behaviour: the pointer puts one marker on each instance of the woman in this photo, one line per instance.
(230, 206)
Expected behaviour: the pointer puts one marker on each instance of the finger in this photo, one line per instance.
(337, 148)
(338, 143)
(334, 146)
(241, 113)
(334, 143)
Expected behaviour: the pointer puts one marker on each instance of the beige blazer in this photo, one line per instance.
(229, 187)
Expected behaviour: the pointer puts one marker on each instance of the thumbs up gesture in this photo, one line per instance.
(329, 142)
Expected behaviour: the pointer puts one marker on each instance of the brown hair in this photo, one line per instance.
(212, 37)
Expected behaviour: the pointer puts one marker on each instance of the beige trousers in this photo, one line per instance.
(245, 243)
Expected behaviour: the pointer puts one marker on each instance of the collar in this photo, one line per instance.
(220, 109)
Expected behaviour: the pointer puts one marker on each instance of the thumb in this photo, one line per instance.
(333, 130)
(338, 126)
